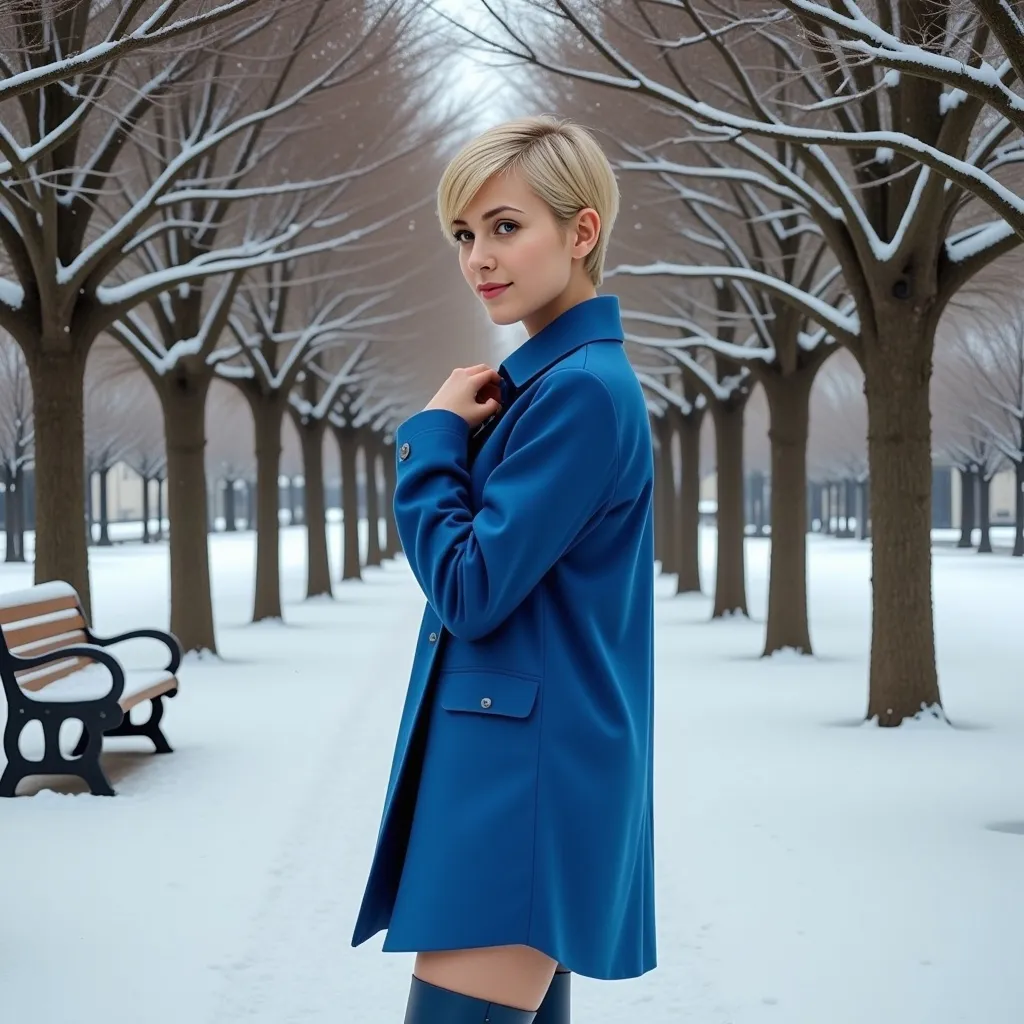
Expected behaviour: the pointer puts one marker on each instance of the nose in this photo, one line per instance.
(480, 258)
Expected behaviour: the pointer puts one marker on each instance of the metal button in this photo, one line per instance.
(403, 452)
(486, 702)
(432, 638)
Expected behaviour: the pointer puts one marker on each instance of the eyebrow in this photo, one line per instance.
(491, 213)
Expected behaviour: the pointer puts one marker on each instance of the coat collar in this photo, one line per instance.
(594, 319)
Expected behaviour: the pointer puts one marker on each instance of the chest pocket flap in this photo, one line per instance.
(487, 693)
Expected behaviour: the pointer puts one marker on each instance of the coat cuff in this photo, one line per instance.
(437, 433)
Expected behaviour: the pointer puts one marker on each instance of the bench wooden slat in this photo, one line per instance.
(18, 613)
(37, 678)
(156, 690)
(20, 641)
(53, 643)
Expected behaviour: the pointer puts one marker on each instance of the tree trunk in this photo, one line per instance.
(90, 518)
(984, 495)
(789, 409)
(863, 501)
(104, 540)
(297, 502)
(14, 514)
(730, 575)
(230, 507)
(666, 505)
(374, 553)
(160, 507)
(966, 507)
(318, 564)
(145, 509)
(267, 413)
(392, 542)
(903, 676)
(687, 539)
(1018, 534)
(348, 444)
(183, 397)
(58, 385)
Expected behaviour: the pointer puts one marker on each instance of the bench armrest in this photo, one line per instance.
(89, 651)
(173, 645)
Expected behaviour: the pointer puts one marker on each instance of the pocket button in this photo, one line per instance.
(432, 638)
(486, 702)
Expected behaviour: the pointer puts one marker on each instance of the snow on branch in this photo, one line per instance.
(845, 326)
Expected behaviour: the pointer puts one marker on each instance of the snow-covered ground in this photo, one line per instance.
(809, 869)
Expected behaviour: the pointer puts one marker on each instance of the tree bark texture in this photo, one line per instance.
(687, 538)
(183, 398)
(318, 563)
(374, 553)
(789, 408)
(57, 375)
(903, 675)
(348, 445)
(267, 414)
(730, 572)
(392, 542)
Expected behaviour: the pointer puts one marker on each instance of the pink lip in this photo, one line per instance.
(490, 292)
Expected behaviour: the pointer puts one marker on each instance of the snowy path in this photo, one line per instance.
(808, 870)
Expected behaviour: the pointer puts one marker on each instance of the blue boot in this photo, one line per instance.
(555, 1008)
(429, 1004)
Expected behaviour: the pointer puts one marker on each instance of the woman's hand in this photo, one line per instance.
(471, 392)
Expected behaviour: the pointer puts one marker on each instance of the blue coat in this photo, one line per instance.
(519, 809)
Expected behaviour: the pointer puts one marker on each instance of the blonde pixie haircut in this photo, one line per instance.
(559, 159)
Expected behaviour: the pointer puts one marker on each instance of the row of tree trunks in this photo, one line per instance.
(789, 405)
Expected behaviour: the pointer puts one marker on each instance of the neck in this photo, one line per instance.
(577, 292)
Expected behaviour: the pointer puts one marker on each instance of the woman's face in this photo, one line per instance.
(509, 237)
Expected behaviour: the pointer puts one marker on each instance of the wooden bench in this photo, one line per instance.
(55, 669)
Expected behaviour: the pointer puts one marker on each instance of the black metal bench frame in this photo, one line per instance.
(102, 715)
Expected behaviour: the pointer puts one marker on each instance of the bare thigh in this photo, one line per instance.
(516, 976)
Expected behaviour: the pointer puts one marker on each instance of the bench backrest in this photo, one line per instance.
(38, 620)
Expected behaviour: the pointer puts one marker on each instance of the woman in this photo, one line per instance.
(516, 844)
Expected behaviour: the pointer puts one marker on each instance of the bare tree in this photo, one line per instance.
(72, 228)
(892, 204)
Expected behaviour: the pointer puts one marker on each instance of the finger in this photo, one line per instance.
(478, 368)
(485, 376)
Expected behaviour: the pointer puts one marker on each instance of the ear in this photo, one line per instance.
(587, 232)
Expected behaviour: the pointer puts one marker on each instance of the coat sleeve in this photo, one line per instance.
(559, 471)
